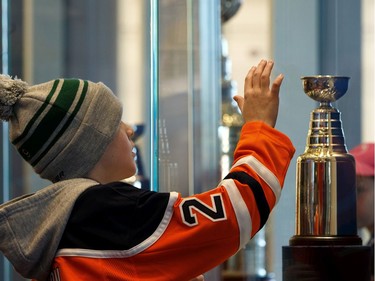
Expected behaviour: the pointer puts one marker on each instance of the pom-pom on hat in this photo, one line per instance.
(364, 159)
(10, 92)
(61, 127)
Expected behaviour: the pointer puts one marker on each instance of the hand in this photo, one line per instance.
(260, 103)
(198, 278)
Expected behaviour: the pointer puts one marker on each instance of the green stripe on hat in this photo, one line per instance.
(37, 114)
(51, 120)
(66, 125)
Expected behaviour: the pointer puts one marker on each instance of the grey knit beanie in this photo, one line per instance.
(61, 127)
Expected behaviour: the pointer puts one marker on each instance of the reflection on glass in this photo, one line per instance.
(6, 267)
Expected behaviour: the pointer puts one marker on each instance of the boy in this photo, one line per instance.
(89, 225)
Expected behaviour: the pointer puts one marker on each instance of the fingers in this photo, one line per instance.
(249, 77)
(266, 74)
(260, 76)
(257, 76)
(240, 101)
(261, 98)
(275, 89)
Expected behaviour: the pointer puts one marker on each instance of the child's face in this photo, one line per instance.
(121, 153)
(117, 162)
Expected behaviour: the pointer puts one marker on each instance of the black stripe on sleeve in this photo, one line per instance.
(256, 188)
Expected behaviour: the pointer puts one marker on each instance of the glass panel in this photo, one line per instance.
(154, 97)
(5, 268)
(174, 98)
(188, 108)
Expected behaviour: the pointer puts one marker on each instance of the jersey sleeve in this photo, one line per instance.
(206, 229)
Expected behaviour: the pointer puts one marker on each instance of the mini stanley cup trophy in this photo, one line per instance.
(326, 245)
(326, 192)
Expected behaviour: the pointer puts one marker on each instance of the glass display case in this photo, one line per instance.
(188, 95)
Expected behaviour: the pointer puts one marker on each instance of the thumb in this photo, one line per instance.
(240, 101)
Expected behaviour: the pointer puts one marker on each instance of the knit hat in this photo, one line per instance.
(61, 127)
(364, 159)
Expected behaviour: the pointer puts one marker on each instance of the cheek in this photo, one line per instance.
(128, 156)
(129, 168)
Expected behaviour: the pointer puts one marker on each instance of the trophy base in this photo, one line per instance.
(326, 263)
(311, 240)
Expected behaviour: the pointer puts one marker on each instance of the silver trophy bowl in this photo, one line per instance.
(325, 88)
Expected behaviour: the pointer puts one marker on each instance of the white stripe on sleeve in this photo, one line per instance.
(263, 172)
(241, 211)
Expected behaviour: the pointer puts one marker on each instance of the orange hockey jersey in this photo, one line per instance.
(118, 232)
